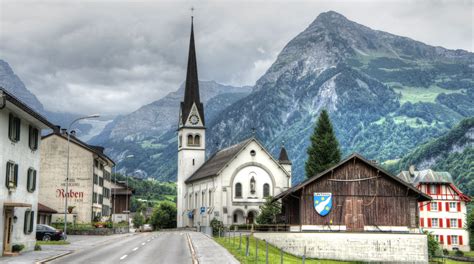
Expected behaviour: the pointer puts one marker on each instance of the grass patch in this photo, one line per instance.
(59, 242)
(420, 94)
(415, 122)
(446, 261)
(273, 252)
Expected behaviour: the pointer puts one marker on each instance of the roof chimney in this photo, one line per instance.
(73, 133)
(57, 129)
(63, 131)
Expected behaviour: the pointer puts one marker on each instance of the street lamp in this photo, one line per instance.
(126, 198)
(67, 167)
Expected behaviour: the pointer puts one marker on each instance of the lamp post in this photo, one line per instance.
(67, 167)
(126, 197)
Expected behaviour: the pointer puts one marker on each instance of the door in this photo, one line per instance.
(7, 231)
(250, 218)
(354, 219)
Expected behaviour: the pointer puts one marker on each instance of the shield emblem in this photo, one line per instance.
(322, 203)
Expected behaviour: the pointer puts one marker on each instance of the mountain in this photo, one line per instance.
(13, 84)
(386, 94)
(452, 152)
(149, 133)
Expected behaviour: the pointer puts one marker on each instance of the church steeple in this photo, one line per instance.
(191, 92)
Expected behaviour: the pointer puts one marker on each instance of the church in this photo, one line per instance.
(233, 182)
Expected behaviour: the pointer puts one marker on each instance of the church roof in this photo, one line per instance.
(191, 90)
(283, 158)
(217, 162)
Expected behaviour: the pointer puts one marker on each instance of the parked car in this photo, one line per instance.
(46, 233)
(146, 228)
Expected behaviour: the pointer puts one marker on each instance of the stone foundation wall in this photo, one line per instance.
(367, 247)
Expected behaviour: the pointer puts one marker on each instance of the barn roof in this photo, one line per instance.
(350, 157)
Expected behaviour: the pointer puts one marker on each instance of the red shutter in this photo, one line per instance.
(449, 240)
(448, 223)
(438, 189)
(441, 239)
(459, 207)
(440, 206)
(460, 240)
(441, 222)
(422, 222)
(421, 206)
(459, 223)
(429, 222)
(447, 207)
(429, 207)
(428, 189)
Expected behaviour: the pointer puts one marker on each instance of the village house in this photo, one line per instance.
(45, 214)
(445, 215)
(364, 209)
(20, 132)
(121, 195)
(89, 191)
(231, 184)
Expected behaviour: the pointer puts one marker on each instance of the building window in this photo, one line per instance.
(210, 197)
(252, 185)
(29, 222)
(190, 140)
(14, 125)
(11, 180)
(33, 138)
(238, 190)
(203, 195)
(453, 222)
(454, 240)
(236, 217)
(452, 206)
(96, 163)
(434, 222)
(180, 141)
(433, 189)
(101, 199)
(253, 153)
(434, 206)
(197, 140)
(101, 182)
(436, 237)
(94, 197)
(266, 190)
(96, 179)
(31, 180)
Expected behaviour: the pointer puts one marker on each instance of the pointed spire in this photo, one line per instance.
(191, 91)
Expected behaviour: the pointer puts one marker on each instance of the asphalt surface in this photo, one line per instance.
(153, 247)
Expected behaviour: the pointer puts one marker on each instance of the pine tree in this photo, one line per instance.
(323, 151)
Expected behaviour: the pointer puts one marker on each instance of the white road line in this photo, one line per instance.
(124, 256)
(143, 243)
(135, 249)
(148, 240)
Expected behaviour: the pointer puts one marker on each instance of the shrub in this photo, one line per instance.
(433, 245)
(164, 216)
(445, 252)
(458, 253)
(216, 226)
(18, 247)
(37, 247)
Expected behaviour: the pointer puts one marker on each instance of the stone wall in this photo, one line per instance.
(370, 247)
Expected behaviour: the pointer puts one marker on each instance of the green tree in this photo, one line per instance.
(433, 245)
(323, 151)
(164, 215)
(138, 220)
(269, 212)
(470, 226)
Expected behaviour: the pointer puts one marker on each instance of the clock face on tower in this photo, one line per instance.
(194, 119)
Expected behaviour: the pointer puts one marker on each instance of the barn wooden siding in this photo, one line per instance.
(362, 196)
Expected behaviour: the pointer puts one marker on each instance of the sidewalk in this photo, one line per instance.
(50, 251)
(209, 252)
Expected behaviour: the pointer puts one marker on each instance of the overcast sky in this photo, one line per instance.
(112, 57)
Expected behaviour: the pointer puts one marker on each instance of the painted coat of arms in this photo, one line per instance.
(322, 203)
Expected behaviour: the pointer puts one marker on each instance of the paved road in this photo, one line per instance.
(156, 247)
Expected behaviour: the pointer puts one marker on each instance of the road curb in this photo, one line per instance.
(191, 248)
(54, 257)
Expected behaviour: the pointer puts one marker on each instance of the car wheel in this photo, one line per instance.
(46, 238)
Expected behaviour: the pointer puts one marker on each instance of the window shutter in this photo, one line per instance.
(441, 222)
(459, 223)
(440, 206)
(25, 223)
(459, 207)
(34, 180)
(429, 206)
(18, 126)
(429, 222)
(16, 175)
(30, 137)
(441, 239)
(32, 221)
(7, 174)
(447, 207)
(422, 222)
(10, 126)
(421, 206)
(460, 240)
(448, 223)
(428, 189)
(449, 239)
(438, 189)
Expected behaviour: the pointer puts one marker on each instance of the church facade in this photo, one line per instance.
(230, 185)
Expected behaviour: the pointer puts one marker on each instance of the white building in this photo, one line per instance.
(20, 133)
(445, 215)
(230, 185)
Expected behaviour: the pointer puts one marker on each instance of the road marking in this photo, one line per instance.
(135, 249)
(124, 256)
(143, 243)
(148, 240)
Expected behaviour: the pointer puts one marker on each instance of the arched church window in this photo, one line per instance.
(235, 218)
(266, 190)
(190, 140)
(197, 140)
(252, 185)
(238, 190)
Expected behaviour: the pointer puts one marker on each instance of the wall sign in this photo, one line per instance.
(322, 203)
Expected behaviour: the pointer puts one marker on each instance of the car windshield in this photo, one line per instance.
(49, 228)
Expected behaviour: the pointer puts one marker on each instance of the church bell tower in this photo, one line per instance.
(191, 134)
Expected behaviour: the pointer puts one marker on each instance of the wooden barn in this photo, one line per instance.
(354, 195)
